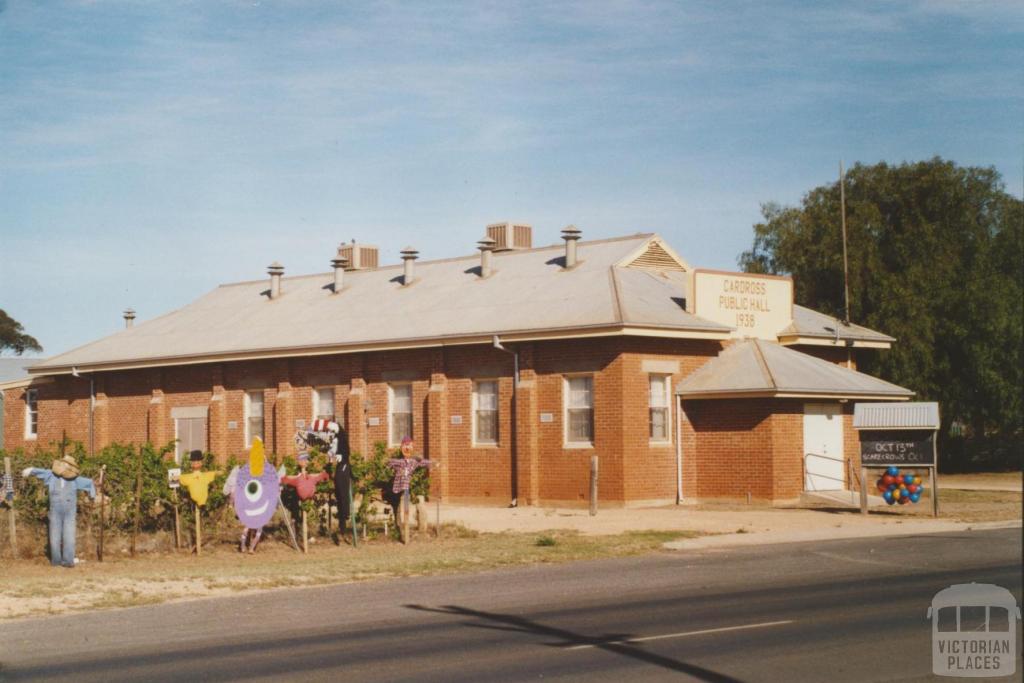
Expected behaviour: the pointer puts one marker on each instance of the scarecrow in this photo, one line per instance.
(323, 434)
(404, 468)
(198, 484)
(255, 490)
(63, 483)
(304, 484)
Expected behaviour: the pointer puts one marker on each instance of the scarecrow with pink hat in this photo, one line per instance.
(63, 483)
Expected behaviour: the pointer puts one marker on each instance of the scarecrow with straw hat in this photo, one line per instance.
(63, 483)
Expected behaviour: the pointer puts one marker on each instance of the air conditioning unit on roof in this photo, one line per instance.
(509, 235)
(360, 256)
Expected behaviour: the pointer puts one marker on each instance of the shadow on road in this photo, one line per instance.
(608, 642)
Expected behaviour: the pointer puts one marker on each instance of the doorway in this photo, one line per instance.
(824, 462)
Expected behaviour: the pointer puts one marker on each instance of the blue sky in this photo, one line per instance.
(152, 150)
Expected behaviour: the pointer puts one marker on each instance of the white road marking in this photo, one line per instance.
(683, 634)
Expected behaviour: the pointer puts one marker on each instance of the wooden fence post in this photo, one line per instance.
(593, 485)
(12, 529)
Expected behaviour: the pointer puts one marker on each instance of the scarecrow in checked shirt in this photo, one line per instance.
(404, 468)
(63, 483)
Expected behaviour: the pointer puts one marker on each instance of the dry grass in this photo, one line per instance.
(979, 506)
(222, 570)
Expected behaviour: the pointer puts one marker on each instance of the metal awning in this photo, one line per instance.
(918, 415)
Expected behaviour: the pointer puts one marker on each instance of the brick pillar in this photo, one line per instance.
(101, 420)
(217, 425)
(527, 445)
(688, 436)
(436, 423)
(284, 422)
(355, 417)
(158, 426)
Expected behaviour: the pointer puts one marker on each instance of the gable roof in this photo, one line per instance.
(811, 327)
(758, 368)
(14, 371)
(529, 293)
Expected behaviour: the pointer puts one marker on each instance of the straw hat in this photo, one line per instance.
(66, 467)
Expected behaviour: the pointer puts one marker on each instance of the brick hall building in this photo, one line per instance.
(512, 367)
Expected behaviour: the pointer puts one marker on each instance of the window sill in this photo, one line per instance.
(31, 437)
(660, 444)
(486, 446)
(582, 445)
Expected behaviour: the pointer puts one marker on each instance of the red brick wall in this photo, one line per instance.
(729, 447)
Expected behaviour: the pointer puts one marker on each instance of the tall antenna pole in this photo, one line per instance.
(846, 263)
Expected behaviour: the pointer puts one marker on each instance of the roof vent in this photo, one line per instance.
(360, 256)
(338, 263)
(655, 257)
(409, 256)
(508, 236)
(129, 317)
(275, 270)
(571, 235)
(486, 247)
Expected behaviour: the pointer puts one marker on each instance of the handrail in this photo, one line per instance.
(803, 462)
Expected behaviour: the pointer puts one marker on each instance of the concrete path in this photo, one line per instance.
(756, 525)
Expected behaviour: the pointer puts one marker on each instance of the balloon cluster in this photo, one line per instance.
(900, 488)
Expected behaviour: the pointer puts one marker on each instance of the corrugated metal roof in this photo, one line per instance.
(754, 367)
(14, 369)
(529, 291)
(918, 415)
(810, 323)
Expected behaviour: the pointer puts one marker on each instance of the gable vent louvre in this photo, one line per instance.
(656, 258)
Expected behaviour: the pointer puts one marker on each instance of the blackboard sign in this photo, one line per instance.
(897, 447)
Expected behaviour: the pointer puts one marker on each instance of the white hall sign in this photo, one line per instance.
(758, 306)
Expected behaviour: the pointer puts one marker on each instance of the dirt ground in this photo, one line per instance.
(471, 539)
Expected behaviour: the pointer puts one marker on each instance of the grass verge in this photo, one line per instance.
(33, 588)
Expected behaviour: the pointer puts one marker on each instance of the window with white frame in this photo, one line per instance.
(323, 403)
(31, 413)
(190, 435)
(579, 410)
(659, 402)
(253, 416)
(485, 412)
(399, 412)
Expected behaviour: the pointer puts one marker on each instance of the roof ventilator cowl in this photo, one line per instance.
(486, 247)
(571, 234)
(275, 270)
(409, 256)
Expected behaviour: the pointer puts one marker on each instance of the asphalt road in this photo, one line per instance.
(850, 610)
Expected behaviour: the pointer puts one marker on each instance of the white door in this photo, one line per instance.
(823, 447)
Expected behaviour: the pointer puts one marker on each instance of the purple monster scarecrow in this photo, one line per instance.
(255, 490)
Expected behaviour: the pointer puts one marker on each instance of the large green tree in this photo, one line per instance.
(12, 336)
(935, 260)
